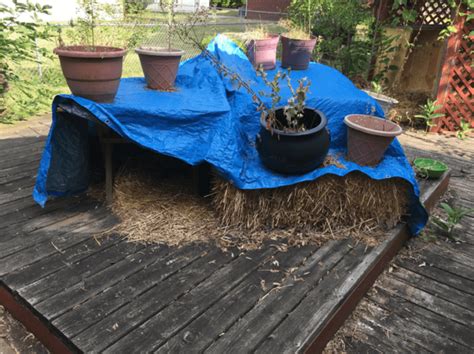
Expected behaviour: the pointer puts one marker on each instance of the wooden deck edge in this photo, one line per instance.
(399, 236)
(49, 336)
(56, 342)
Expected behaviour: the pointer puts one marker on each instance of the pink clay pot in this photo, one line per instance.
(262, 52)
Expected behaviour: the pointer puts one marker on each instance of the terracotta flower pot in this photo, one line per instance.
(294, 152)
(368, 138)
(92, 72)
(160, 66)
(263, 52)
(296, 53)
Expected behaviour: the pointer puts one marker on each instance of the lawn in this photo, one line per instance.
(40, 82)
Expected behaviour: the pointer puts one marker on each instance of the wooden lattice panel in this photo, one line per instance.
(429, 12)
(456, 89)
(433, 12)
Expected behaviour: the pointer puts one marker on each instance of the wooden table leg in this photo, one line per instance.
(202, 179)
(109, 178)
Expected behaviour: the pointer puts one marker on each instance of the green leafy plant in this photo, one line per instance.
(387, 46)
(20, 29)
(169, 7)
(428, 113)
(376, 87)
(464, 130)
(344, 31)
(227, 3)
(453, 217)
(293, 110)
(302, 14)
(87, 23)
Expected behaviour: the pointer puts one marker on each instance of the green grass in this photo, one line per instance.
(32, 95)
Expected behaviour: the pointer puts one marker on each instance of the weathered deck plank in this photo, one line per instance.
(430, 286)
(204, 330)
(422, 316)
(116, 296)
(141, 308)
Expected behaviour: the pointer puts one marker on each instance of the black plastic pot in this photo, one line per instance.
(294, 152)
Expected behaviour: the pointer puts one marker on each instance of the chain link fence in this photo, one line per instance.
(152, 32)
(40, 79)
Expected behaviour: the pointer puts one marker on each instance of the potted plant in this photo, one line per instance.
(368, 137)
(262, 49)
(384, 101)
(293, 139)
(160, 64)
(91, 71)
(298, 43)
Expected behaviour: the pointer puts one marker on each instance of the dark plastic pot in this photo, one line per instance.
(368, 137)
(263, 52)
(93, 73)
(294, 153)
(160, 66)
(296, 53)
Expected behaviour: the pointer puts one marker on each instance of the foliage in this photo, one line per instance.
(450, 29)
(428, 113)
(451, 220)
(88, 21)
(376, 87)
(303, 12)
(407, 11)
(343, 27)
(86, 29)
(295, 104)
(228, 3)
(20, 28)
(27, 98)
(386, 48)
(135, 7)
(294, 108)
(169, 7)
(464, 130)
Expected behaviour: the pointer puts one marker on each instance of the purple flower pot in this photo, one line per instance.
(263, 52)
(296, 53)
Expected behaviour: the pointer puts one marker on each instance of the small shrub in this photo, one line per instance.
(428, 113)
(464, 130)
(453, 217)
(228, 3)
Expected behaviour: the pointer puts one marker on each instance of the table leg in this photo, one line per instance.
(202, 179)
(109, 179)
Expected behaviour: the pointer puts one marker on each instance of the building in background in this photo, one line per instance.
(181, 5)
(269, 10)
(63, 11)
(66, 10)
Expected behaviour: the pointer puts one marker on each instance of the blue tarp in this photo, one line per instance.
(209, 119)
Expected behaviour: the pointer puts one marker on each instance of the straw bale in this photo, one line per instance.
(160, 209)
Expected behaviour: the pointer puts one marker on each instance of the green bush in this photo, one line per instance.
(228, 3)
(344, 29)
(30, 97)
(18, 38)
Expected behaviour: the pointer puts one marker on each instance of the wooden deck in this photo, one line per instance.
(76, 293)
(424, 302)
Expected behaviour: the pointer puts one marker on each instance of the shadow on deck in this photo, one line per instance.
(77, 293)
